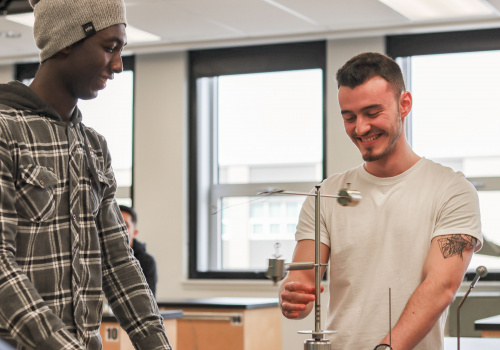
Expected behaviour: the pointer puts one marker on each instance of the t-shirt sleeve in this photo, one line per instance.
(459, 211)
(306, 225)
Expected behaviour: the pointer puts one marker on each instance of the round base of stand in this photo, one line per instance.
(315, 344)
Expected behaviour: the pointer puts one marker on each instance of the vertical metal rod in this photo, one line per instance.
(458, 317)
(317, 267)
(390, 320)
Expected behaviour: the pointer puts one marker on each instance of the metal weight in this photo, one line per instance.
(348, 197)
(276, 269)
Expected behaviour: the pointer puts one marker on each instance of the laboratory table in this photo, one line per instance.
(115, 338)
(472, 343)
(227, 323)
(489, 327)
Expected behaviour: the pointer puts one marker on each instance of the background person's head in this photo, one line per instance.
(361, 68)
(60, 23)
(130, 218)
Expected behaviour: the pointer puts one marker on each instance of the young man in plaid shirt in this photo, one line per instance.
(63, 242)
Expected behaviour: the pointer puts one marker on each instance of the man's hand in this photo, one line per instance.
(295, 298)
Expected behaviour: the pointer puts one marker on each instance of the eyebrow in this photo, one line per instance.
(117, 40)
(345, 111)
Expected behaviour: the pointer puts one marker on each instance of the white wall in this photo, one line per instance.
(6, 73)
(161, 174)
(342, 154)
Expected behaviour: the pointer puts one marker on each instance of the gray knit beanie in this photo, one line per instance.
(61, 23)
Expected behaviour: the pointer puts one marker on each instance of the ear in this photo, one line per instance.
(405, 104)
(135, 233)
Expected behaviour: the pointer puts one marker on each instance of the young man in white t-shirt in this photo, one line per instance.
(414, 231)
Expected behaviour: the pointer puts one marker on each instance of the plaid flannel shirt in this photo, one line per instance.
(63, 241)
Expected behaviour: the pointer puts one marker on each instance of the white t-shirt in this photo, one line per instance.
(382, 243)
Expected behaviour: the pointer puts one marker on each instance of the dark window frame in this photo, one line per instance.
(240, 60)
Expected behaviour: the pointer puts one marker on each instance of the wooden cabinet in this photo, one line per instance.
(227, 323)
(115, 338)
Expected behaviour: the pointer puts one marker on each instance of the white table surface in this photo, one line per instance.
(472, 343)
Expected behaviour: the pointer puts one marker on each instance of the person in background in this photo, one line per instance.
(413, 232)
(147, 262)
(63, 242)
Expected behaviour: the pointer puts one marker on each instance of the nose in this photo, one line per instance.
(117, 63)
(362, 125)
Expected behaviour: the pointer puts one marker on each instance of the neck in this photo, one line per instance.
(402, 159)
(51, 89)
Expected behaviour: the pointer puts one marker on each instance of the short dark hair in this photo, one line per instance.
(130, 211)
(361, 68)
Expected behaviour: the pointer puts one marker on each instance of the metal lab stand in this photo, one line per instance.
(277, 267)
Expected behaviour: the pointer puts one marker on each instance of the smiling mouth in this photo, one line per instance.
(368, 139)
(102, 81)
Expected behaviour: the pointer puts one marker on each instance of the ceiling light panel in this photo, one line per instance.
(421, 10)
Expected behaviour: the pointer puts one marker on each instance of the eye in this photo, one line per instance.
(110, 49)
(372, 114)
(349, 118)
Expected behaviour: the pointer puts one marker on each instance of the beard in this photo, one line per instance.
(393, 137)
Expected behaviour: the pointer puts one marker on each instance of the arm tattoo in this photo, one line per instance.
(455, 245)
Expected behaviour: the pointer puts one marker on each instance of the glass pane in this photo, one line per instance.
(491, 229)
(249, 241)
(490, 201)
(453, 118)
(270, 127)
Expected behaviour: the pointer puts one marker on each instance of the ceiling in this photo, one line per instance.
(195, 24)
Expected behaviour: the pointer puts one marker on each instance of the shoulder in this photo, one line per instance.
(93, 136)
(438, 168)
(444, 177)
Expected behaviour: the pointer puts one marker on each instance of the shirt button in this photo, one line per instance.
(74, 217)
(41, 182)
(75, 251)
(75, 288)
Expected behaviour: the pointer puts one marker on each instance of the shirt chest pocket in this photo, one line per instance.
(99, 185)
(35, 193)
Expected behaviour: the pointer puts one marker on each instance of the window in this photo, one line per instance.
(110, 114)
(256, 124)
(454, 122)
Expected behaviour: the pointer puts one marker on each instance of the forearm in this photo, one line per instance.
(443, 272)
(129, 296)
(421, 313)
(124, 284)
